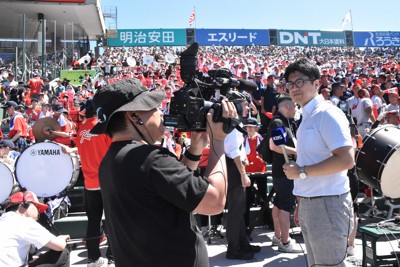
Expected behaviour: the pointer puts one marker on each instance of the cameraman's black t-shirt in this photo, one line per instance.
(148, 198)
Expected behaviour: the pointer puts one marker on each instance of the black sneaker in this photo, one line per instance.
(239, 255)
(251, 248)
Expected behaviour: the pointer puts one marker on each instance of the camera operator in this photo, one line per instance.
(142, 183)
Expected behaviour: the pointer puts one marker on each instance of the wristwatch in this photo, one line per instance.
(303, 174)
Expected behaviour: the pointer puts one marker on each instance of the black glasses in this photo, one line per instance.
(299, 83)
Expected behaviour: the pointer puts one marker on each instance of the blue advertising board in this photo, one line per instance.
(208, 37)
(376, 39)
(149, 37)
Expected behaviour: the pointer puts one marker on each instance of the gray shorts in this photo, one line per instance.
(326, 223)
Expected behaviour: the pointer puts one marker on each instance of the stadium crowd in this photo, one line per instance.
(363, 83)
(158, 68)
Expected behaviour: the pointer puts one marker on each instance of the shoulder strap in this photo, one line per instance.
(259, 136)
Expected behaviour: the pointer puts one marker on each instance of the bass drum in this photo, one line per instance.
(378, 161)
(45, 170)
(8, 185)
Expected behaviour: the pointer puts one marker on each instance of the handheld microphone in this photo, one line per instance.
(247, 86)
(279, 137)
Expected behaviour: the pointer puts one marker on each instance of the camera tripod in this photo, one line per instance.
(260, 213)
(212, 231)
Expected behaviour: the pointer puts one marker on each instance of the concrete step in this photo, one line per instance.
(75, 223)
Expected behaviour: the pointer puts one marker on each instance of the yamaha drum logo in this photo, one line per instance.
(45, 152)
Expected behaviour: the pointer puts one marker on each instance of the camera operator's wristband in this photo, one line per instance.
(192, 157)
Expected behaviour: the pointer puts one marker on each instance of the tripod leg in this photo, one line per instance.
(209, 229)
(261, 211)
(212, 231)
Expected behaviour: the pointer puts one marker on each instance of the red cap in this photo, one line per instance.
(325, 90)
(358, 81)
(30, 197)
(393, 113)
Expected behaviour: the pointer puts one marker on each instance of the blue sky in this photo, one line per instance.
(258, 14)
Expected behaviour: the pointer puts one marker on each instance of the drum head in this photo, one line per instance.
(6, 182)
(44, 169)
(390, 182)
(374, 162)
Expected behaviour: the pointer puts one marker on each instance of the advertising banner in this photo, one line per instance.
(209, 37)
(311, 38)
(149, 37)
(76, 76)
(376, 39)
(60, 1)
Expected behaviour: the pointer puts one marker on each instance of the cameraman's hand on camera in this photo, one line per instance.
(215, 129)
(198, 141)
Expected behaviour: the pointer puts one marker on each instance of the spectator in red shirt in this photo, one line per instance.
(64, 136)
(92, 148)
(169, 143)
(255, 164)
(75, 64)
(17, 124)
(35, 84)
(34, 110)
(100, 83)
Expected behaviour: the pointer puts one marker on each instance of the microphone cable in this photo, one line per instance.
(141, 134)
(301, 247)
(221, 172)
(219, 160)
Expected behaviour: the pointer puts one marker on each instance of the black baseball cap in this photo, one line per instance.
(57, 107)
(9, 104)
(7, 143)
(283, 97)
(123, 95)
(335, 85)
(88, 108)
(251, 122)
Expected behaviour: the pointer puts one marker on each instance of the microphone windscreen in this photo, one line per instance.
(279, 136)
(247, 85)
(191, 50)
